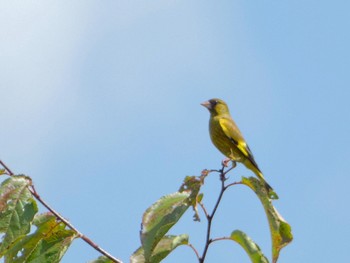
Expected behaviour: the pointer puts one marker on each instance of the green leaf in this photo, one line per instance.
(165, 246)
(160, 217)
(281, 232)
(17, 210)
(252, 249)
(47, 244)
(138, 256)
(2, 171)
(193, 185)
(102, 259)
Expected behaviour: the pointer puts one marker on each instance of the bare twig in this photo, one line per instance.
(194, 249)
(232, 184)
(204, 210)
(6, 168)
(220, 238)
(210, 217)
(65, 221)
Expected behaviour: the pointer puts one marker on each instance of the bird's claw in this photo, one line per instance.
(234, 164)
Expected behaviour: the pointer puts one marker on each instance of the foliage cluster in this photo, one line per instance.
(31, 237)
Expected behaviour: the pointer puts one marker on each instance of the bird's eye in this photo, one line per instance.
(213, 103)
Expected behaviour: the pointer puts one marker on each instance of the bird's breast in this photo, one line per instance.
(222, 142)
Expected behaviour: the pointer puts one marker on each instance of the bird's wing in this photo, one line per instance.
(233, 133)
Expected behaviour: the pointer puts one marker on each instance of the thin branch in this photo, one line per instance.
(232, 184)
(219, 198)
(6, 168)
(204, 210)
(233, 166)
(220, 238)
(65, 221)
(211, 216)
(194, 249)
(214, 170)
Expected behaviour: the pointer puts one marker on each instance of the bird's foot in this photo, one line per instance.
(234, 164)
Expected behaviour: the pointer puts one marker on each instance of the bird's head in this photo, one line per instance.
(216, 106)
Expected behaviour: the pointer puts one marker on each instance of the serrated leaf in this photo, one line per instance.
(17, 210)
(160, 217)
(102, 259)
(165, 246)
(47, 244)
(281, 232)
(252, 249)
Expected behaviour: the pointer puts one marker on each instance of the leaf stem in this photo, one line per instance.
(61, 218)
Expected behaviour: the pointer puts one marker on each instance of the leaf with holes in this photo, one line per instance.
(160, 217)
(281, 232)
(47, 244)
(17, 210)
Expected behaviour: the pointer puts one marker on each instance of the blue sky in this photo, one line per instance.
(100, 106)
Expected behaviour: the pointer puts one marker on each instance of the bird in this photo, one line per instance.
(228, 139)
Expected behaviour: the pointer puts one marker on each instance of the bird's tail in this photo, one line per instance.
(252, 165)
(272, 194)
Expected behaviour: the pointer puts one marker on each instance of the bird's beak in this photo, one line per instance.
(206, 104)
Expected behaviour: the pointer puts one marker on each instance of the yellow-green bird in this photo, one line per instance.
(226, 136)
